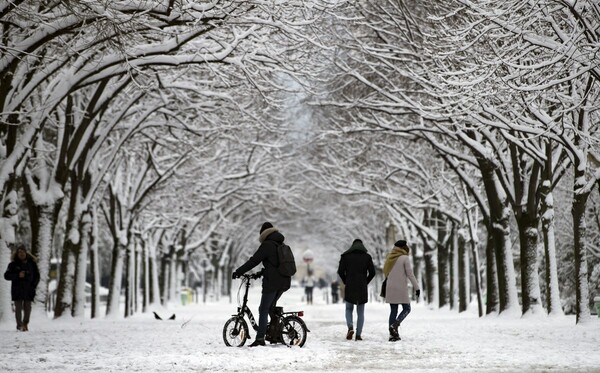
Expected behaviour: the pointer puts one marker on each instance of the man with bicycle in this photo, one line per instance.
(274, 284)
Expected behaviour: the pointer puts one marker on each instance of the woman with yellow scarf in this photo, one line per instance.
(398, 272)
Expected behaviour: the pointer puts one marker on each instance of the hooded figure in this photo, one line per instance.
(356, 270)
(274, 284)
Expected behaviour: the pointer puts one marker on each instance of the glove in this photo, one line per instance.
(236, 274)
(418, 293)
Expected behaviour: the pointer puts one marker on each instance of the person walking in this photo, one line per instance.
(335, 287)
(274, 284)
(309, 285)
(24, 275)
(356, 270)
(398, 271)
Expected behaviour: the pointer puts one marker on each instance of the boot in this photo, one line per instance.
(394, 336)
(258, 342)
(24, 328)
(350, 334)
(358, 338)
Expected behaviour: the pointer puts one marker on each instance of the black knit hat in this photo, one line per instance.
(400, 243)
(266, 225)
(357, 241)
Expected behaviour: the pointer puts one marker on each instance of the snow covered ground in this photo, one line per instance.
(439, 340)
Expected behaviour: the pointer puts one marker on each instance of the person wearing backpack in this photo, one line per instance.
(277, 275)
(356, 270)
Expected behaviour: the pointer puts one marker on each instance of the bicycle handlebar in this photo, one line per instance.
(253, 276)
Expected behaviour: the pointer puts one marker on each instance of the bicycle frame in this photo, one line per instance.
(284, 327)
(244, 309)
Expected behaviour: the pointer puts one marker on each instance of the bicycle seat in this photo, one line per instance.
(279, 311)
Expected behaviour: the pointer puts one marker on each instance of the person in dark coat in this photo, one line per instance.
(335, 287)
(25, 276)
(356, 270)
(274, 284)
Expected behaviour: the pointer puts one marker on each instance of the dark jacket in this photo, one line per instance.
(267, 255)
(23, 288)
(356, 270)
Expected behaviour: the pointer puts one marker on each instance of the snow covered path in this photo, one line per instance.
(431, 341)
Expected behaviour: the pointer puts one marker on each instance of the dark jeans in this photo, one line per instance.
(268, 302)
(309, 294)
(22, 317)
(360, 316)
(394, 312)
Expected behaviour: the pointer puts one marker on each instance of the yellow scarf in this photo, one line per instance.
(391, 259)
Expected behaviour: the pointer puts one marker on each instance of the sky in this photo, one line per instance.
(432, 340)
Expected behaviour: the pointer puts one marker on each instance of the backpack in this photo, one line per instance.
(285, 258)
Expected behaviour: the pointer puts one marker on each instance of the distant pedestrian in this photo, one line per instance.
(356, 271)
(398, 271)
(335, 287)
(309, 285)
(25, 276)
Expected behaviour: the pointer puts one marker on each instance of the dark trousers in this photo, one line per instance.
(22, 312)
(268, 302)
(394, 312)
(309, 294)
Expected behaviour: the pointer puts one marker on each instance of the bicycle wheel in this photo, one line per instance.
(293, 331)
(235, 331)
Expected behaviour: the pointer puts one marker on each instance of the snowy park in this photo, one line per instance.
(432, 341)
(153, 153)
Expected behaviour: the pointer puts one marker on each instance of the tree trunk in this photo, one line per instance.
(553, 305)
(154, 281)
(530, 285)
(42, 248)
(64, 292)
(463, 272)
(500, 230)
(136, 282)
(145, 277)
(443, 255)
(129, 278)
(492, 302)
(174, 266)
(507, 281)
(579, 246)
(116, 273)
(431, 274)
(81, 265)
(453, 272)
(95, 266)
(8, 224)
(164, 283)
(443, 258)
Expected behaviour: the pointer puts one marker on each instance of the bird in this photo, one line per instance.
(156, 316)
(172, 317)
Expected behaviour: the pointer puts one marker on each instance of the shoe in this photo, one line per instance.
(258, 342)
(350, 334)
(358, 338)
(24, 328)
(394, 338)
(19, 328)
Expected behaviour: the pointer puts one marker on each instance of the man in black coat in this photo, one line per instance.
(274, 284)
(356, 270)
(24, 275)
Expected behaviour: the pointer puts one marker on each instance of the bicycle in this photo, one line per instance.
(289, 328)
